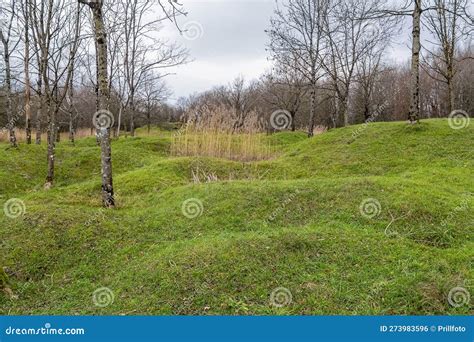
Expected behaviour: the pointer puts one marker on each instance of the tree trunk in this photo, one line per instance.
(450, 76)
(119, 119)
(97, 88)
(148, 116)
(345, 110)
(39, 112)
(51, 146)
(71, 129)
(71, 104)
(132, 116)
(97, 108)
(27, 77)
(293, 121)
(312, 111)
(8, 83)
(366, 113)
(336, 118)
(450, 52)
(106, 151)
(414, 115)
(51, 116)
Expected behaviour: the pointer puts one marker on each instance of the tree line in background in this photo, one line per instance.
(101, 65)
(333, 68)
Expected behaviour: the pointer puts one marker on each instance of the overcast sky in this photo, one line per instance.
(226, 38)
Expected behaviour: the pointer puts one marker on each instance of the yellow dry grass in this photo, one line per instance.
(213, 131)
(21, 135)
(211, 143)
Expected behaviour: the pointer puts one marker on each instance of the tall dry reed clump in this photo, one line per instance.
(216, 131)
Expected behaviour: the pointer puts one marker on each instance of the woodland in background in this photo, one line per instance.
(244, 99)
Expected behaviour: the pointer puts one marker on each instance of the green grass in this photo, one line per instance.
(291, 222)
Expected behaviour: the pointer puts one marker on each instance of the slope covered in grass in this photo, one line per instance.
(293, 222)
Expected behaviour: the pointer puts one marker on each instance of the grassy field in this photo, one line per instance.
(374, 222)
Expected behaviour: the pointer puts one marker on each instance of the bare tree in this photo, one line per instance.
(350, 36)
(52, 39)
(296, 34)
(73, 53)
(368, 72)
(153, 93)
(142, 53)
(285, 89)
(9, 43)
(447, 27)
(239, 97)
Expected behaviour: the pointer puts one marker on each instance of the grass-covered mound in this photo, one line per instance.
(378, 222)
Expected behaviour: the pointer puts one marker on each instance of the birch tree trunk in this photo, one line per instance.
(414, 115)
(132, 115)
(345, 110)
(51, 145)
(39, 112)
(451, 98)
(27, 76)
(312, 111)
(51, 114)
(97, 89)
(70, 95)
(104, 132)
(449, 47)
(148, 116)
(8, 84)
(71, 109)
